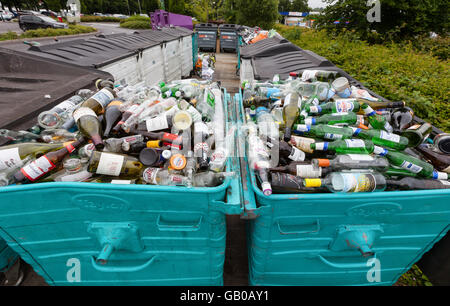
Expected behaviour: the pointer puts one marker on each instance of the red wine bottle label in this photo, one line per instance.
(110, 164)
(38, 168)
(10, 158)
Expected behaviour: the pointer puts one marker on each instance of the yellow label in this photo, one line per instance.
(154, 144)
(115, 102)
(313, 182)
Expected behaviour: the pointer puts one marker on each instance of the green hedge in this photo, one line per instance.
(89, 18)
(398, 72)
(72, 30)
(136, 18)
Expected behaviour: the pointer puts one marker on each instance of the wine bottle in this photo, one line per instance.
(112, 164)
(13, 155)
(158, 176)
(289, 152)
(382, 138)
(89, 125)
(287, 183)
(302, 169)
(417, 133)
(440, 161)
(201, 148)
(411, 164)
(112, 116)
(347, 146)
(350, 182)
(319, 75)
(45, 163)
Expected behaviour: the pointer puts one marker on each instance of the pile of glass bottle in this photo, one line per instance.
(169, 134)
(315, 133)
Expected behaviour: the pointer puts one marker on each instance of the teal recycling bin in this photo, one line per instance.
(340, 239)
(104, 234)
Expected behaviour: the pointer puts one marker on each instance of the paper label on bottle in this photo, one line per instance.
(360, 157)
(38, 168)
(355, 143)
(314, 109)
(121, 182)
(302, 143)
(390, 136)
(297, 155)
(201, 127)
(110, 164)
(309, 121)
(308, 75)
(132, 109)
(444, 182)
(308, 171)
(66, 105)
(414, 127)
(344, 107)
(411, 167)
(354, 182)
(157, 123)
(331, 136)
(149, 175)
(83, 111)
(10, 158)
(103, 97)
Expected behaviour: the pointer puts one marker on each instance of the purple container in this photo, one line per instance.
(162, 19)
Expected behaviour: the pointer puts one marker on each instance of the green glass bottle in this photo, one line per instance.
(112, 164)
(290, 114)
(417, 133)
(376, 121)
(331, 119)
(329, 132)
(382, 138)
(347, 146)
(410, 163)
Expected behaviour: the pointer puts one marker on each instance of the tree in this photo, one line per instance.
(228, 11)
(284, 6)
(300, 6)
(262, 13)
(399, 18)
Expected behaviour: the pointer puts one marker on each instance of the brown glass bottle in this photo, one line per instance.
(112, 116)
(287, 183)
(411, 183)
(440, 161)
(303, 169)
(46, 163)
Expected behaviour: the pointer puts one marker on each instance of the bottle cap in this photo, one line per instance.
(313, 182)
(266, 188)
(178, 162)
(154, 144)
(166, 154)
(148, 157)
(182, 120)
(362, 126)
(323, 162)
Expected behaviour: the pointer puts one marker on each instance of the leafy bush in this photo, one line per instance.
(72, 30)
(8, 36)
(136, 25)
(89, 18)
(136, 18)
(395, 71)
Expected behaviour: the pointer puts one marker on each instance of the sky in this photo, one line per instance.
(316, 3)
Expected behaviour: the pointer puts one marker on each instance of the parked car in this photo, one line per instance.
(30, 22)
(6, 15)
(49, 13)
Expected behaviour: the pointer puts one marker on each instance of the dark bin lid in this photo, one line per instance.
(206, 27)
(178, 31)
(26, 79)
(248, 51)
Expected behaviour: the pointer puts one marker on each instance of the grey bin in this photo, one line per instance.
(207, 36)
(30, 84)
(228, 38)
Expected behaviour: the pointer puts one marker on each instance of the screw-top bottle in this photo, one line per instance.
(410, 163)
(417, 133)
(350, 182)
(347, 146)
(287, 183)
(329, 132)
(290, 114)
(382, 138)
(376, 121)
(45, 164)
(112, 164)
(332, 119)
